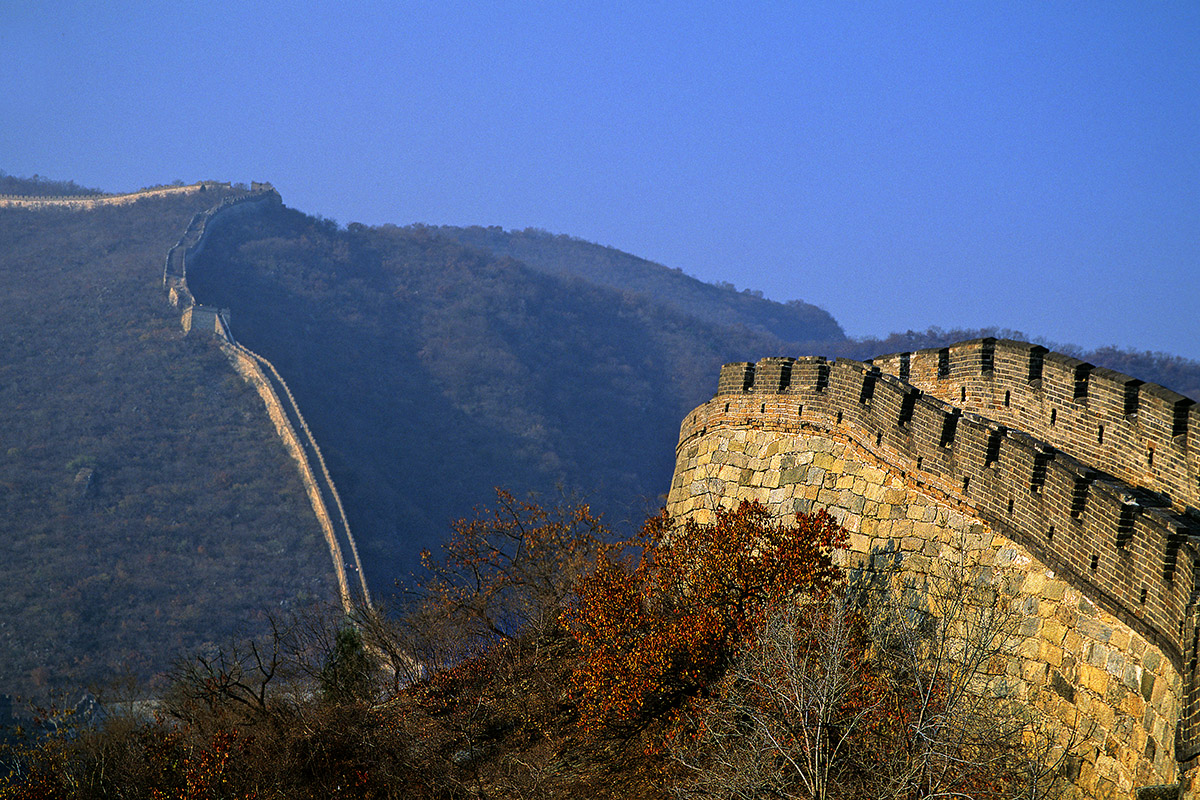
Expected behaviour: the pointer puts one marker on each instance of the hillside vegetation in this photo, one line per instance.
(146, 505)
(794, 321)
(38, 186)
(430, 371)
(738, 663)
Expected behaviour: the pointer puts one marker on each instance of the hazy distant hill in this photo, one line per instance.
(40, 187)
(1175, 372)
(146, 505)
(431, 372)
(794, 321)
(562, 255)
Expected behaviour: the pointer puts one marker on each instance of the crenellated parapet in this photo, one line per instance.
(1047, 451)
(1141, 433)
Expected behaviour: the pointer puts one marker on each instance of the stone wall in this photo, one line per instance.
(1142, 433)
(192, 242)
(247, 366)
(1109, 567)
(281, 406)
(89, 201)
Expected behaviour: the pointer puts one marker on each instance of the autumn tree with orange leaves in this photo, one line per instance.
(658, 631)
(502, 577)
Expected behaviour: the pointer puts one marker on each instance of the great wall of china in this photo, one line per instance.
(1083, 481)
(281, 406)
(83, 202)
(271, 387)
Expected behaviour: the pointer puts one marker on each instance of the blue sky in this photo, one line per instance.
(1028, 165)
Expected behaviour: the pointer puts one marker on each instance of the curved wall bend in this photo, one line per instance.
(256, 370)
(271, 387)
(915, 473)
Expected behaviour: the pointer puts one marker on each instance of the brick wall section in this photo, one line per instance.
(1150, 437)
(247, 365)
(191, 243)
(1083, 504)
(1074, 660)
(276, 396)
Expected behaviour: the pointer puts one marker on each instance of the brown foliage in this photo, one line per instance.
(896, 691)
(736, 648)
(502, 576)
(663, 630)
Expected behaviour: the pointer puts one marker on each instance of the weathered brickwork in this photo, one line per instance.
(1109, 567)
(1142, 433)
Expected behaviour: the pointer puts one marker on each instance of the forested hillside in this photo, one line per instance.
(431, 372)
(816, 331)
(794, 321)
(146, 505)
(37, 186)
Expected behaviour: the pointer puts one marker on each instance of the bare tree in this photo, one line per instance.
(904, 688)
(789, 711)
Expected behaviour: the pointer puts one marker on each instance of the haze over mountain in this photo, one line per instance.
(431, 371)
(149, 507)
(1031, 166)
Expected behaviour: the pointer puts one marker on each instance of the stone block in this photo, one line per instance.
(1158, 693)
(1092, 628)
(1137, 646)
(1094, 679)
(1034, 672)
(1131, 676)
(1034, 583)
(1054, 590)
(1095, 654)
(1115, 664)
(1133, 705)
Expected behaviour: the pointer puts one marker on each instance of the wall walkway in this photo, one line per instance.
(89, 201)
